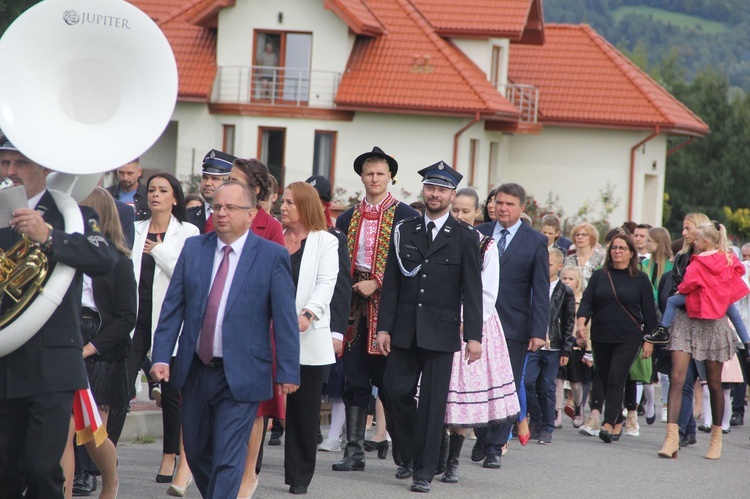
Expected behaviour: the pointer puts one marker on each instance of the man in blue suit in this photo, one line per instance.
(522, 301)
(226, 288)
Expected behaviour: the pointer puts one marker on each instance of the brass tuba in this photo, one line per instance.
(87, 86)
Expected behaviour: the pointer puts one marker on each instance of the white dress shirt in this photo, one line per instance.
(234, 258)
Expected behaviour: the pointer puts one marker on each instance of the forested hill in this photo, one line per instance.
(705, 33)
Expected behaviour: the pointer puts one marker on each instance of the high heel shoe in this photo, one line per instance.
(381, 447)
(176, 491)
(524, 435)
(166, 478)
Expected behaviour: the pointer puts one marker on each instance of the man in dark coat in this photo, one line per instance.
(433, 268)
(38, 379)
(215, 171)
(130, 190)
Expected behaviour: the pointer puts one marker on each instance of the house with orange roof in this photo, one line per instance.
(307, 85)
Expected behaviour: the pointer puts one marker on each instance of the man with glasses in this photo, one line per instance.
(215, 171)
(221, 316)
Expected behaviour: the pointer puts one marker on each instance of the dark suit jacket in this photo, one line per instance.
(197, 217)
(127, 221)
(523, 295)
(116, 300)
(428, 305)
(342, 293)
(142, 211)
(51, 360)
(262, 289)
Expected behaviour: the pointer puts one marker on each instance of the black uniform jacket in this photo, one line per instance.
(428, 304)
(52, 360)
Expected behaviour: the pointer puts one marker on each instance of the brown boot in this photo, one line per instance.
(714, 447)
(672, 441)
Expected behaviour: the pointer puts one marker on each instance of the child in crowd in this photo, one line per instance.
(578, 371)
(713, 282)
(542, 365)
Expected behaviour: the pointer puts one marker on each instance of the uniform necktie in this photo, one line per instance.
(430, 226)
(208, 331)
(501, 244)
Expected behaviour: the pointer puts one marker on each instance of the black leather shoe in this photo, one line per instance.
(297, 489)
(737, 419)
(605, 436)
(404, 471)
(420, 485)
(274, 440)
(688, 439)
(84, 484)
(492, 462)
(478, 452)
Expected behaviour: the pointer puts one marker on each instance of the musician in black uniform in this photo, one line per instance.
(38, 380)
(215, 171)
(433, 268)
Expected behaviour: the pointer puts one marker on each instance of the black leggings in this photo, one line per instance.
(612, 363)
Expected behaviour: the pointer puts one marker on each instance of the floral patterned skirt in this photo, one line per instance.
(704, 339)
(483, 392)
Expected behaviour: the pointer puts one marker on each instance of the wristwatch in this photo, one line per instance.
(308, 314)
(46, 246)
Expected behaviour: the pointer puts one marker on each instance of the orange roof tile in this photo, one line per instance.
(194, 46)
(496, 18)
(584, 79)
(356, 15)
(410, 68)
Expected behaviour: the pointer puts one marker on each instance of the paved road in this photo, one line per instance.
(573, 466)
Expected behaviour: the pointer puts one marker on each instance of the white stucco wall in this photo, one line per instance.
(577, 163)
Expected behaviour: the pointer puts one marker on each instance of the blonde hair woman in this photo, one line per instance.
(589, 254)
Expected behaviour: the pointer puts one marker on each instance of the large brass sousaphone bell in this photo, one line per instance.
(87, 86)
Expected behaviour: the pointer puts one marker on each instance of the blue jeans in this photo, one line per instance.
(542, 366)
(686, 421)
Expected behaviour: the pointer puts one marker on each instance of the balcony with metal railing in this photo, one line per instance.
(275, 86)
(525, 98)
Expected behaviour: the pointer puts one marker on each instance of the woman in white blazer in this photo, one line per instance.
(158, 243)
(314, 256)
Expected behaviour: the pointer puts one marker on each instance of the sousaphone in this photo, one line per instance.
(87, 86)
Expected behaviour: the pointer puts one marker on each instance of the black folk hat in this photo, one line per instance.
(441, 174)
(217, 163)
(322, 185)
(376, 153)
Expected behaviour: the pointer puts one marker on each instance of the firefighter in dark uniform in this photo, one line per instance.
(433, 269)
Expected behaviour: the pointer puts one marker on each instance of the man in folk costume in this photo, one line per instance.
(368, 226)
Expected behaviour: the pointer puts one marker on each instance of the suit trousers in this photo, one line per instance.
(216, 429)
(540, 379)
(612, 362)
(497, 435)
(33, 435)
(170, 417)
(418, 427)
(302, 424)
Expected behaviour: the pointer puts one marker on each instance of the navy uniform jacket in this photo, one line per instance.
(428, 305)
(197, 216)
(51, 361)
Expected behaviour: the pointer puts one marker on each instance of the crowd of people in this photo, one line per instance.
(440, 325)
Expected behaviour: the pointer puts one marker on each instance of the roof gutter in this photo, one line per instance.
(655, 133)
(457, 136)
(680, 146)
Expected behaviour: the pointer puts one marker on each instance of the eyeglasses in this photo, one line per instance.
(229, 207)
(619, 248)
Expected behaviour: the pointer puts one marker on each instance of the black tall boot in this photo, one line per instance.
(454, 452)
(354, 454)
(443, 456)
